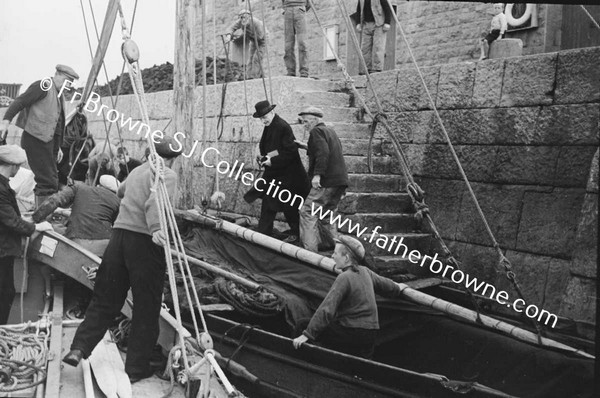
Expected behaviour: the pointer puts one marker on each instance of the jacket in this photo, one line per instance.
(287, 166)
(41, 113)
(325, 157)
(12, 226)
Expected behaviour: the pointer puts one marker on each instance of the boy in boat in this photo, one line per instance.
(12, 226)
(497, 29)
(134, 258)
(347, 319)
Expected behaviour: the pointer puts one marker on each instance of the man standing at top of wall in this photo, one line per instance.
(372, 19)
(42, 119)
(295, 29)
(254, 35)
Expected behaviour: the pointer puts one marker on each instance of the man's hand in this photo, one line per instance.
(3, 131)
(298, 341)
(59, 156)
(301, 144)
(359, 27)
(158, 238)
(266, 162)
(316, 182)
(386, 27)
(44, 226)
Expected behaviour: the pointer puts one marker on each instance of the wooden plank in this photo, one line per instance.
(425, 282)
(55, 351)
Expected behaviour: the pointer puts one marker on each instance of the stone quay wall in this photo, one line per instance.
(526, 131)
(438, 31)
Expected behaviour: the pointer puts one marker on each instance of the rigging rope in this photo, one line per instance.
(264, 20)
(590, 15)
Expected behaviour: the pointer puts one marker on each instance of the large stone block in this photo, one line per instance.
(477, 261)
(542, 280)
(573, 166)
(580, 300)
(414, 126)
(526, 165)
(444, 199)
(410, 93)
(549, 221)
(488, 83)
(529, 80)
(502, 209)
(384, 84)
(566, 125)
(585, 252)
(455, 86)
(506, 48)
(578, 76)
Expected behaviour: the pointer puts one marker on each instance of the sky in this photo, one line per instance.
(35, 35)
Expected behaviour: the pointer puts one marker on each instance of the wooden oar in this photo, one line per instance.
(109, 370)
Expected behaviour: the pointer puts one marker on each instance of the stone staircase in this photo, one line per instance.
(372, 199)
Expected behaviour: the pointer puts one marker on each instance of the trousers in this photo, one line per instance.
(294, 29)
(315, 232)
(7, 287)
(131, 260)
(268, 211)
(41, 157)
(372, 46)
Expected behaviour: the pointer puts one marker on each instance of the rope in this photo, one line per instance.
(22, 356)
(203, 52)
(257, 53)
(262, 9)
(590, 15)
(24, 276)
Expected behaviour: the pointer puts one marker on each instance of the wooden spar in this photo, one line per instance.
(184, 84)
(411, 294)
(107, 28)
(218, 271)
(258, 238)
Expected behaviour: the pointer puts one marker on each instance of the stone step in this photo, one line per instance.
(381, 164)
(396, 265)
(389, 222)
(358, 202)
(304, 84)
(388, 244)
(353, 131)
(360, 147)
(367, 183)
(332, 115)
(321, 99)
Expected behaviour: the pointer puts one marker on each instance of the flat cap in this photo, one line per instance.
(166, 147)
(243, 11)
(353, 245)
(311, 110)
(67, 70)
(109, 182)
(12, 154)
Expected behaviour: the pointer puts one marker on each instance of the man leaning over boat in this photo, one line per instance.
(93, 212)
(134, 258)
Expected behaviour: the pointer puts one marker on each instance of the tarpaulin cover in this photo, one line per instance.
(411, 336)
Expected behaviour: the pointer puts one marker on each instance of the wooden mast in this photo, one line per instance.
(184, 83)
(107, 29)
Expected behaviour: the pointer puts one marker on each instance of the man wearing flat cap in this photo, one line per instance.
(12, 226)
(329, 180)
(134, 258)
(283, 167)
(347, 320)
(42, 118)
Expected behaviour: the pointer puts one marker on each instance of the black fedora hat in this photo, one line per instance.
(262, 108)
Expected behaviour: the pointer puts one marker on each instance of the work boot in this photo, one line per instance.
(73, 357)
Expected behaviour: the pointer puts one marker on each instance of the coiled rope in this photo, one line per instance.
(22, 358)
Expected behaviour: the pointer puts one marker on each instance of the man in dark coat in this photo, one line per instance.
(283, 166)
(329, 180)
(12, 226)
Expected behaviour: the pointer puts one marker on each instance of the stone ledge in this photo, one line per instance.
(506, 48)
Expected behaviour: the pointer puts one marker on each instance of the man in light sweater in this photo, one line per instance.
(134, 258)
